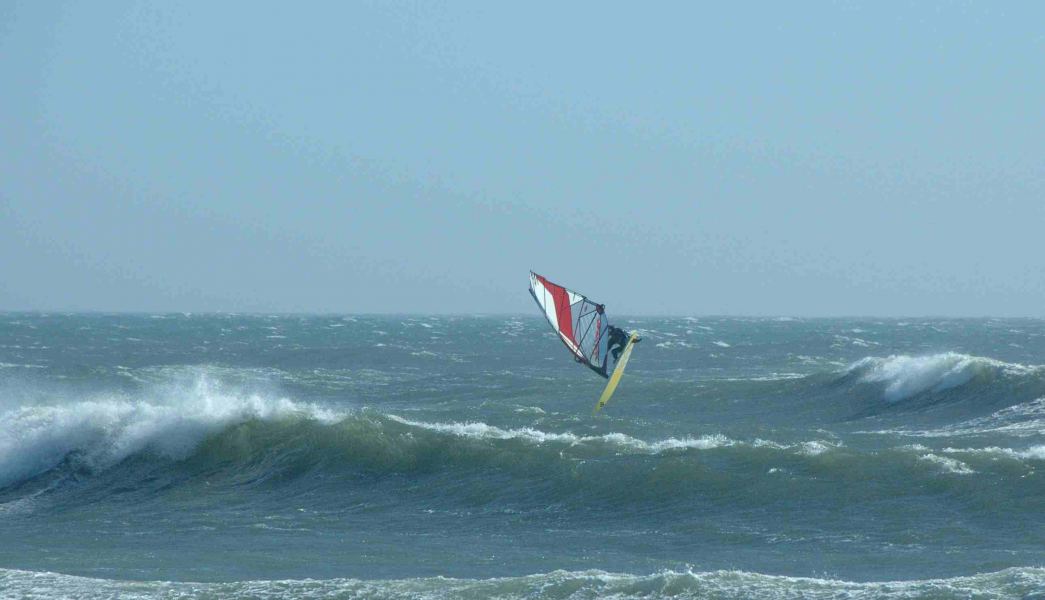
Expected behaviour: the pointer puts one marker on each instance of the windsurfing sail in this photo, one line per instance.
(581, 324)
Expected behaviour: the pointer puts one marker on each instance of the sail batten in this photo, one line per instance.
(580, 322)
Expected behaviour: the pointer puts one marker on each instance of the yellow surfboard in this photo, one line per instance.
(618, 371)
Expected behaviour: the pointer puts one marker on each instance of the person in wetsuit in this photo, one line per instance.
(618, 338)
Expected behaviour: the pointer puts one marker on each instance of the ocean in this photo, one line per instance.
(330, 456)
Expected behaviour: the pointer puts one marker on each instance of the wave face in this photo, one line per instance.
(224, 439)
(456, 457)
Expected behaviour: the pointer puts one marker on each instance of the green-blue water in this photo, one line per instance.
(417, 456)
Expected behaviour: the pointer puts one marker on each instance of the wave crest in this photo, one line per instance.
(907, 376)
(102, 431)
(205, 427)
(618, 442)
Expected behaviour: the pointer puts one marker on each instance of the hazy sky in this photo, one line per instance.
(765, 158)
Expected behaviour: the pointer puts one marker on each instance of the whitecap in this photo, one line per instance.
(906, 376)
(103, 430)
(949, 465)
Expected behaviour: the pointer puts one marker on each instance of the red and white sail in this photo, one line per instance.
(580, 323)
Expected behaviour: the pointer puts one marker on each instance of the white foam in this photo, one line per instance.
(949, 465)
(483, 431)
(814, 448)
(104, 430)
(769, 377)
(1032, 453)
(1022, 420)
(855, 341)
(676, 344)
(1017, 582)
(906, 376)
(477, 430)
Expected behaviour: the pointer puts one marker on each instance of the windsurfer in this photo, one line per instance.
(618, 339)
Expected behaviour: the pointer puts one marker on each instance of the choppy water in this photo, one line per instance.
(255, 456)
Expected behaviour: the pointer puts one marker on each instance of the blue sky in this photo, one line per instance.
(763, 159)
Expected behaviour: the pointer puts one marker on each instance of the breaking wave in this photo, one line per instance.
(201, 430)
(102, 431)
(207, 426)
(220, 439)
(905, 377)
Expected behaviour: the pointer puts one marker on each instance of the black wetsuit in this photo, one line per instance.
(617, 340)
